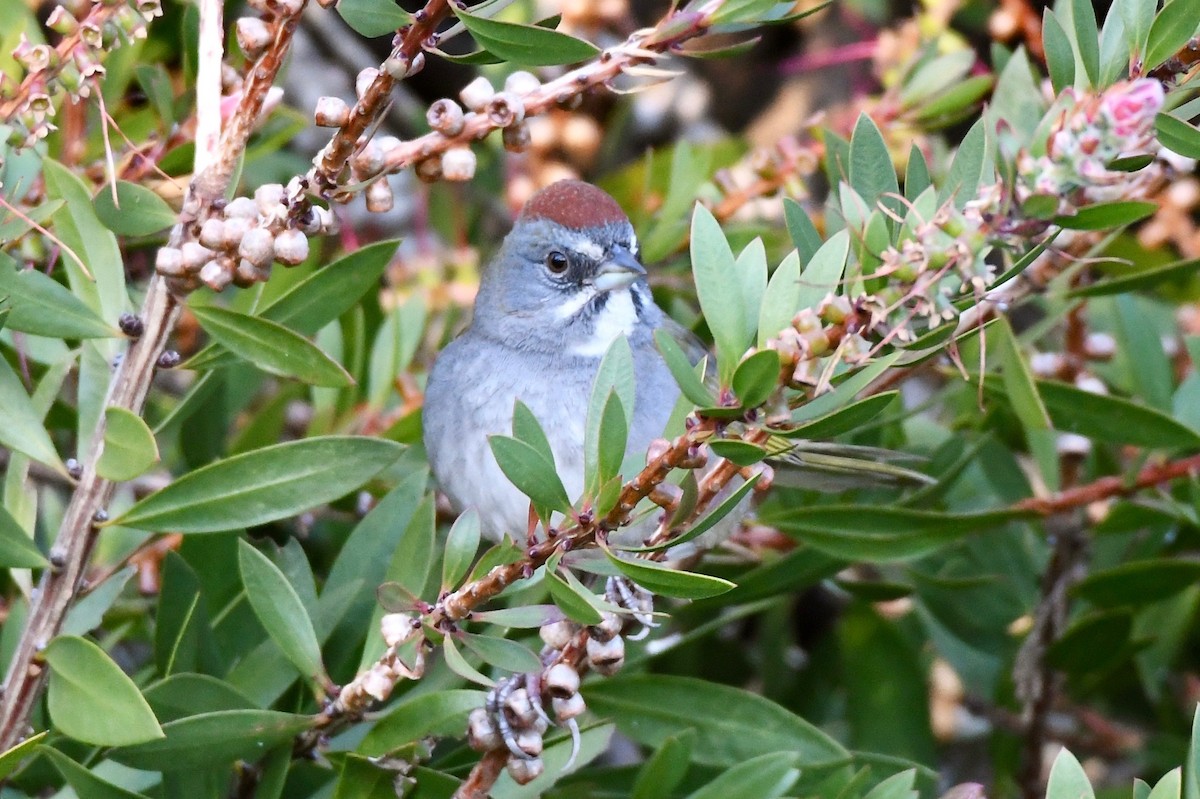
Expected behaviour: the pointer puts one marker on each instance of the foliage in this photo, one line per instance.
(954, 348)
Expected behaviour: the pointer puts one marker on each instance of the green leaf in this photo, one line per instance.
(280, 611)
(272, 347)
(459, 665)
(1060, 56)
(373, 17)
(14, 757)
(462, 542)
(968, 168)
(1137, 583)
(651, 708)
(1177, 135)
(1138, 16)
(86, 784)
(22, 429)
(213, 739)
(667, 581)
(262, 486)
(612, 435)
(1170, 786)
(897, 786)
(137, 211)
(129, 446)
(956, 102)
(437, 713)
(523, 616)
(681, 369)
(916, 174)
(750, 270)
(742, 453)
(720, 294)
(502, 653)
(42, 306)
(1086, 40)
(851, 417)
(17, 550)
(781, 300)
(802, 230)
(1022, 393)
(526, 45)
(665, 769)
(1067, 779)
(1092, 641)
(1137, 281)
(1103, 216)
(1191, 767)
(756, 378)
(880, 534)
(823, 273)
(527, 428)
(530, 472)
(92, 700)
(1172, 29)
(872, 173)
(763, 777)
(572, 598)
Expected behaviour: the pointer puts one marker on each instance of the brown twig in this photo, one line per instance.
(1110, 487)
(483, 776)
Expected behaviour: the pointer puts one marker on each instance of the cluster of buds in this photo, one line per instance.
(836, 325)
(241, 243)
(71, 67)
(377, 683)
(1074, 163)
(766, 170)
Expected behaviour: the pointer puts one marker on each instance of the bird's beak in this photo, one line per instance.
(620, 270)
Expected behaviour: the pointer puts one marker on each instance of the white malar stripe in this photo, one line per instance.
(575, 303)
(617, 318)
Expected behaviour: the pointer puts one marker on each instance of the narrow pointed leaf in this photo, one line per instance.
(438, 713)
(280, 611)
(781, 300)
(85, 783)
(17, 550)
(137, 211)
(502, 653)
(272, 347)
(1068, 779)
(92, 700)
(41, 305)
(763, 777)
(530, 472)
(1172, 28)
(262, 486)
(372, 18)
(22, 428)
(756, 378)
(1177, 135)
(129, 446)
(664, 580)
(527, 428)
(462, 543)
(13, 758)
(665, 769)
(459, 665)
(681, 369)
(213, 739)
(526, 45)
(524, 616)
(572, 598)
(721, 297)
(707, 522)
(823, 274)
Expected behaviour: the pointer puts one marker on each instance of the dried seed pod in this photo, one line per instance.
(212, 233)
(429, 170)
(233, 229)
(368, 160)
(291, 247)
(195, 256)
(446, 117)
(525, 771)
(364, 80)
(168, 261)
(530, 742)
(568, 707)
(257, 246)
(516, 138)
(241, 208)
(253, 36)
(557, 634)
(610, 626)
(379, 681)
(505, 109)
(476, 94)
(396, 628)
(482, 735)
(217, 273)
(521, 82)
(246, 274)
(268, 197)
(379, 196)
(331, 112)
(606, 657)
(561, 680)
(458, 164)
(322, 222)
(519, 709)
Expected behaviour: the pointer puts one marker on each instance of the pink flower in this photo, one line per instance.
(1130, 107)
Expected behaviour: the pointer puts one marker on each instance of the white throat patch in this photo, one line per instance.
(618, 317)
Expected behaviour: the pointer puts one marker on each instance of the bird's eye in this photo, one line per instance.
(556, 262)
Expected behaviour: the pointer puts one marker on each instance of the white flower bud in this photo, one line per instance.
(396, 628)
(195, 255)
(446, 117)
(610, 625)
(253, 36)
(557, 634)
(368, 160)
(1073, 445)
(1091, 384)
(268, 197)
(505, 109)
(458, 164)
(379, 196)
(1046, 364)
(241, 208)
(524, 771)
(516, 138)
(521, 82)
(233, 230)
(429, 170)
(291, 247)
(389, 145)
(168, 261)
(212, 233)
(606, 657)
(482, 735)
(331, 112)
(247, 274)
(257, 246)
(476, 94)
(530, 742)
(290, 7)
(1100, 346)
(217, 273)
(520, 709)
(364, 81)
(569, 707)
(323, 222)
(561, 680)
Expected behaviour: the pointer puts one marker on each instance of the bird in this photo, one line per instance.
(565, 283)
